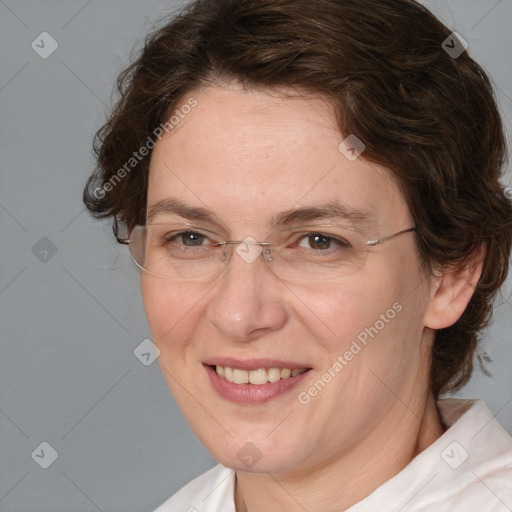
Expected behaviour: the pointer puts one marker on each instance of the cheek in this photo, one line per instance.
(336, 316)
(156, 304)
(380, 314)
(171, 311)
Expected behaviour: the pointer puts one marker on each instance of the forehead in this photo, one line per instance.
(248, 156)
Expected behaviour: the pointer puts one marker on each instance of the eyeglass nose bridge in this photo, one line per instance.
(266, 250)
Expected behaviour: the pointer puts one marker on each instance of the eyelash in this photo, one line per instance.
(171, 238)
(338, 241)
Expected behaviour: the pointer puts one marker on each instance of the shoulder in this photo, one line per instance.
(474, 469)
(468, 468)
(211, 491)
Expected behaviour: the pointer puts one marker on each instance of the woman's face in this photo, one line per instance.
(249, 158)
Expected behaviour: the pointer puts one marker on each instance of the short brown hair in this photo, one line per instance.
(429, 117)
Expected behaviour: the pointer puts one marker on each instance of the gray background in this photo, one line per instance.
(70, 321)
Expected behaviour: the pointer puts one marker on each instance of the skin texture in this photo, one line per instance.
(247, 155)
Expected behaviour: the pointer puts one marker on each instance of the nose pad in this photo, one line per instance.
(225, 257)
(267, 255)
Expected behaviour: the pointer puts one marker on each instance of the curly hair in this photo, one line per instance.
(428, 116)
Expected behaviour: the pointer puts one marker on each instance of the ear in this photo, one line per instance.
(452, 291)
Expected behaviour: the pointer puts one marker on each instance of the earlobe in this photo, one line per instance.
(452, 291)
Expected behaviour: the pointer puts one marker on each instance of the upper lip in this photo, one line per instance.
(253, 364)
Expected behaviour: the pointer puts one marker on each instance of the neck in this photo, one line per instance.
(348, 478)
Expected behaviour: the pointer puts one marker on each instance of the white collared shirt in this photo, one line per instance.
(468, 469)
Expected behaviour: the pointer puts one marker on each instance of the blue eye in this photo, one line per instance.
(189, 238)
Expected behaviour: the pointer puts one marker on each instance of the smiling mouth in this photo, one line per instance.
(258, 377)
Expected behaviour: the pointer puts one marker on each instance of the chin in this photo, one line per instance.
(255, 454)
(261, 463)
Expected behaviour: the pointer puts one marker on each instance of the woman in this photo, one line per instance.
(311, 190)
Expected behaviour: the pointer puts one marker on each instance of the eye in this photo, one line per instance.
(322, 242)
(188, 238)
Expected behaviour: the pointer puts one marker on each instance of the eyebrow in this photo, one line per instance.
(177, 207)
(332, 211)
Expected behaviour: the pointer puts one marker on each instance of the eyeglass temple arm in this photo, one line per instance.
(386, 238)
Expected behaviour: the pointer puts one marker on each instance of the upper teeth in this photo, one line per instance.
(259, 376)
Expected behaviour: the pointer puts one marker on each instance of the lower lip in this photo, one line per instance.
(251, 393)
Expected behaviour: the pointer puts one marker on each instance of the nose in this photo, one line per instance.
(248, 301)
